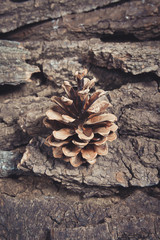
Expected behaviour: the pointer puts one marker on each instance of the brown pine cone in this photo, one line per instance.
(80, 124)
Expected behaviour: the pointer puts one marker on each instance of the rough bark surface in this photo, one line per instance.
(129, 160)
(45, 198)
(136, 58)
(81, 20)
(20, 13)
(14, 70)
(35, 207)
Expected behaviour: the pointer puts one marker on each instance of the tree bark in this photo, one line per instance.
(14, 70)
(43, 44)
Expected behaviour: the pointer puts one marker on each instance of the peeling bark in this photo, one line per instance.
(118, 41)
(20, 123)
(133, 214)
(68, 56)
(128, 162)
(80, 20)
(17, 13)
(14, 70)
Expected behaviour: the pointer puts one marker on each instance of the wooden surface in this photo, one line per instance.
(41, 45)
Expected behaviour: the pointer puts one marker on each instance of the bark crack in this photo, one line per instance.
(8, 35)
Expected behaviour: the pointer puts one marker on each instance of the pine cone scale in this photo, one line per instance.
(76, 161)
(63, 134)
(52, 115)
(101, 118)
(102, 130)
(56, 143)
(78, 143)
(101, 149)
(89, 152)
(100, 142)
(83, 136)
(57, 152)
(71, 150)
(98, 107)
(92, 99)
(111, 137)
(67, 118)
(66, 105)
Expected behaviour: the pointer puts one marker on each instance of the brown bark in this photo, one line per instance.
(14, 70)
(34, 204)
(68, 56)
(15, 14)
(81, 20)
(118, 41)
(129, 156)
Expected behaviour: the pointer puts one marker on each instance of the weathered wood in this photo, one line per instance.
(17, 117)
(128, 162)
(68, 56)
(13, 67)
(126, 19)
(26, 201)
(135, 58)
(133, 17)
(22, 119)
(14, 14)
(8, 162)
(63, 37)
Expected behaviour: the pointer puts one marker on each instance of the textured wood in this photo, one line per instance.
(118, 41)
(26, 201)
(8, 162)
(14, 14)
(13, 68)
(128, 161)
(68, 56)
(134, 20)
(17, 115)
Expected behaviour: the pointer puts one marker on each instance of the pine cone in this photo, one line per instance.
(80, 124)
